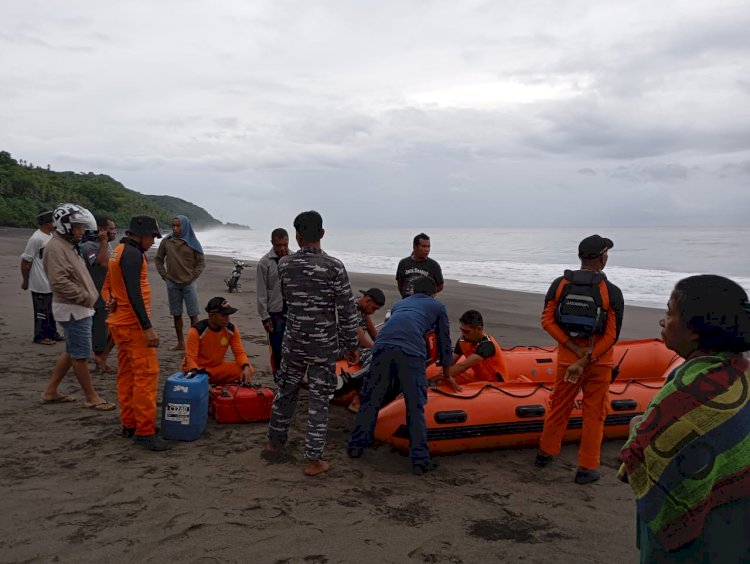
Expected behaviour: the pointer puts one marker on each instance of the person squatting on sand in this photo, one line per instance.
(688, 457)
(368, 303)
(270, 300)
(34, 279)
(583, 312)
(418, 264)
(73, 298)
(400, 352)
(479, 351)
(207, 344)
(96, 250)
(320, 309)
(180, 261)
(128, 297)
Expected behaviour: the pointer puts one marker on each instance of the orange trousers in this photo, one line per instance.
(137, 379)
(224, 373)
(595, 386)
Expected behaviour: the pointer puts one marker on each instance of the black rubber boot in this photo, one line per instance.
(587, 476)
(542, 459)
(422, 469)
(153, 442)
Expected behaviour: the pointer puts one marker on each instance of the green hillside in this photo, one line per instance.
(25, 188)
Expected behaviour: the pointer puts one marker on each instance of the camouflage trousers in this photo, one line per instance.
(321, 379)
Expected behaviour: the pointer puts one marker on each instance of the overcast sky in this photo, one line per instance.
(402, 113)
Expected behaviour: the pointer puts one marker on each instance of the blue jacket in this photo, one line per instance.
(411, 318)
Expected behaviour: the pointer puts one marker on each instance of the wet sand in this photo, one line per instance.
(74, 490)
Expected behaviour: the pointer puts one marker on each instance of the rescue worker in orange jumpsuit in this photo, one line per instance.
(207, 344)
(127, 293)
(584, 363)
(481, 353)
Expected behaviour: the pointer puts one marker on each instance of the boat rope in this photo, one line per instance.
(638, 382)
(532, 348)
(491, 386)
(535, 390)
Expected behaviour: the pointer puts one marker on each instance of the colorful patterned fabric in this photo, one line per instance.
(691, 451)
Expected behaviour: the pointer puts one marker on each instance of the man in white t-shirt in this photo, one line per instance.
(34, 279)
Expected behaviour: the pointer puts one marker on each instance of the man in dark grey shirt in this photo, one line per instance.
(418, 264)
(96, 253)
(320, 307)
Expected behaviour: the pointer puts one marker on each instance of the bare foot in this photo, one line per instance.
(315, 467)
(272, 447)
(101, 363)
(178, 347)
(275, 454)
(354, 406)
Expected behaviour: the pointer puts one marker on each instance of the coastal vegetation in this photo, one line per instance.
(25, 188)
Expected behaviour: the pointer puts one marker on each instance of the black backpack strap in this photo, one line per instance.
(586, 279)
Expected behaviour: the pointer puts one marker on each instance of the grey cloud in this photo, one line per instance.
(231, 122)
(613, 130)
(732, 169)
(102, 163)
(651, 110)
(657, 172)
(27, 35)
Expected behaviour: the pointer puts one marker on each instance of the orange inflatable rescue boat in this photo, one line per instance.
(488, 415)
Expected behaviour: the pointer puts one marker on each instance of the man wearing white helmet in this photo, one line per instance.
(73, 297)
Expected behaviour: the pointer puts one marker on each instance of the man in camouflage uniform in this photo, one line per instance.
(320, 306)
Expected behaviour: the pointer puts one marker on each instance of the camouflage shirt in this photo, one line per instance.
(317, 292)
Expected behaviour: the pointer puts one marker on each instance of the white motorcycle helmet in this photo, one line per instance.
(67, 214)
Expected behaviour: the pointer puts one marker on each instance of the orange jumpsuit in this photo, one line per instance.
(492, 369)
(206, 348)
(138, 366)
(594, 383)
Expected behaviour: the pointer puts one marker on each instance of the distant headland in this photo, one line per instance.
(26, 188)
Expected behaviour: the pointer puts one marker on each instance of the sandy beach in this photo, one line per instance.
(74, 490)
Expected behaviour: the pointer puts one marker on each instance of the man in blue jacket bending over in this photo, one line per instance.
(400, 352)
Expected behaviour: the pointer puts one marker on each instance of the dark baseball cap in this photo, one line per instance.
(220, 305)
(594, 246)
(144, 225)
(376, 295)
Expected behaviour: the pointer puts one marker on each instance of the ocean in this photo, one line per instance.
(645, 262)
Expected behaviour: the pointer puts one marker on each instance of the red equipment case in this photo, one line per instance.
(240, 404)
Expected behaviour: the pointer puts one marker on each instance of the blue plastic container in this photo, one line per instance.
(184, 411)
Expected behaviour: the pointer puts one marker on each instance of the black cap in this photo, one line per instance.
(594, 246)
(144, 225)
(376, 295)
(220, 305)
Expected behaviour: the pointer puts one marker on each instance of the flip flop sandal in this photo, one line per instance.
(101, 406)
(59, 399)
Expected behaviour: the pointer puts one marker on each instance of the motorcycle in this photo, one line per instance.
(233, 282)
